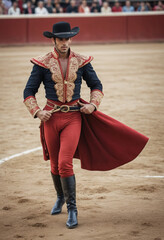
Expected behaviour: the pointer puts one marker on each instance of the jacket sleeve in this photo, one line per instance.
(31, 89)
(95, 85)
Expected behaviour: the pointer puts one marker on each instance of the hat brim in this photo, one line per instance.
(74, 31)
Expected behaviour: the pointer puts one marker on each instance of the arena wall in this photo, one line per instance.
(98, 28)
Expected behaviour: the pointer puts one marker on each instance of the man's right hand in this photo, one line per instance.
(43, 115)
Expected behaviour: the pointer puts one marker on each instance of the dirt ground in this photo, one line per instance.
(126, 203)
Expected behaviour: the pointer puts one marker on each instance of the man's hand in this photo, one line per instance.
(86, 108)
(43, 115)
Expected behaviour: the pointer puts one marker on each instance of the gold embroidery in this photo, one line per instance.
(57, 78)
(96, 97)
(71, 77)
(64, 87)
(43, 61)
(32, 105)
(82, 60)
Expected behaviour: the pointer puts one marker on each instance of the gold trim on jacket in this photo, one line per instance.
(64, 86)
(96, 97)
(32, 105)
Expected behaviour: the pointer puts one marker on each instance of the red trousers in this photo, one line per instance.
(62, 133)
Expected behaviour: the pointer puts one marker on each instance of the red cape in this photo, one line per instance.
(105, 143)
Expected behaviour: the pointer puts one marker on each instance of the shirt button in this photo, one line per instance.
(65, 82)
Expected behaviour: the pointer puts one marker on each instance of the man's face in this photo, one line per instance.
(28, 4)
(73, 3)
(62, 44)
(15, 4)
(40, 4)
(128, 3)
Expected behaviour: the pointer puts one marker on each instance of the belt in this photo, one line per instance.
(63, 108)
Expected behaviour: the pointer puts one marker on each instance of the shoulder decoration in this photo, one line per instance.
(32, 105)
(43, 61)
(64, 86)
(82, 60)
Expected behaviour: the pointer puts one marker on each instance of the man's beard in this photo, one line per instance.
(62, 52)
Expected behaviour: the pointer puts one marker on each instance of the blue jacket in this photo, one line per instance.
(47, 69)
(40, 74)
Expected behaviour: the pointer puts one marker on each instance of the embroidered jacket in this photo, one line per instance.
(47, 69)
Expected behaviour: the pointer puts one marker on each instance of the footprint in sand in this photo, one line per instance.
(96, 190)
(145, 188)
(147, 224)
(18, 236)
(30, 217)
(134, 233)
(40, 225)
(7, 225)
(39, 183)
(23, 200)
(84, 198)
(102, 197)
(45, 212)
(6, 208)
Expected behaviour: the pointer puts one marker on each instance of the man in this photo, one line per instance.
(116, 7)
(143, 7)
(14, 10)
(128, 7)
(105, 8)
(72, 8)
(41, 10)
(95, 7)
(71, 127)
(62, 130)
(29, 9)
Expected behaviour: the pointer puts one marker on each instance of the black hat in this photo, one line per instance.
(62, 30)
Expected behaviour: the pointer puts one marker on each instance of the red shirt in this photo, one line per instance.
(116, 9)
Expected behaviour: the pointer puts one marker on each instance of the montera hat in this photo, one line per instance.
(62, 30)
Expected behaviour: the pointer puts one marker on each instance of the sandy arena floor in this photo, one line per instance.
(123, 204)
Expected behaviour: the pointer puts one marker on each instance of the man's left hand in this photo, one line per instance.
(86, 108)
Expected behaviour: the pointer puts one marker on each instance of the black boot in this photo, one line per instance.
(69, 189)
(57, 208)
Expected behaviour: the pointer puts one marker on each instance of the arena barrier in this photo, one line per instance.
(94, 28)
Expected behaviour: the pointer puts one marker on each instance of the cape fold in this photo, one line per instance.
(105, 143)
